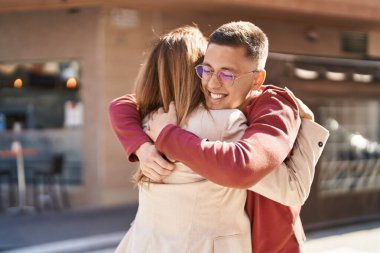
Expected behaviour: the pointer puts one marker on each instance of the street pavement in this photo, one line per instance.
(100, 230)
(87, 230)
(362, 237)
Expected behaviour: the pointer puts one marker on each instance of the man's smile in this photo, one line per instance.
(216, 96)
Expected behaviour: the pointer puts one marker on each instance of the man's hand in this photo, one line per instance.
(159, 119)
(152, 164)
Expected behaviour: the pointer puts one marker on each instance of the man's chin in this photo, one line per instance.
(216, 107)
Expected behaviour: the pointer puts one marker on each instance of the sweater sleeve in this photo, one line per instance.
(273, 123)
(126, 123)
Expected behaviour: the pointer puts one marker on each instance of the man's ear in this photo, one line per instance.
(259, 79)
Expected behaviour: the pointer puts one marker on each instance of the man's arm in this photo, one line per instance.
(290, 183)
(273, 123)
(292, 179)
(126, 123)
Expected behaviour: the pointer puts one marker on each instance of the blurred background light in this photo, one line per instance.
(335, 76)
(306, 74)
(71, 83)
(17, 83)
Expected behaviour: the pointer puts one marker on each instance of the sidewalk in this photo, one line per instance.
(18, 231)
(359, 238)
(100, 230)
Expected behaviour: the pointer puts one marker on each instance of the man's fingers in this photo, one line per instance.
(172, 106)
(161, 161)
(164, 163)
(159, 170)
(151, 174)
(172, 111)
(152, 164)
(160, 110)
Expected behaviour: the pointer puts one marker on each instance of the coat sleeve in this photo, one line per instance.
(290, 183)
(125, 120)
(273, 124)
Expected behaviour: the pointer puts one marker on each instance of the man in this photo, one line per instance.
(232, 76)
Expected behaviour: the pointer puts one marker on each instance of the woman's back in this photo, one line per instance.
(188, 213)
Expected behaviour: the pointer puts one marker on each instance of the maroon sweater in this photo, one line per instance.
(273, 124)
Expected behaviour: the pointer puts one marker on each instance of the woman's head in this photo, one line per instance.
(169, 75)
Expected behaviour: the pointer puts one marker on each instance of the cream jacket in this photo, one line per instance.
(290, 183)
(190, 214)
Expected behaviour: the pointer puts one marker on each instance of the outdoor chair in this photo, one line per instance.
(7, 175)
(52, 183)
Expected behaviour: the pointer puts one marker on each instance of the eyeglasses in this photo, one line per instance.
(224, 77)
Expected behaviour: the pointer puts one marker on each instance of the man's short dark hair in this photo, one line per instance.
(243, 34)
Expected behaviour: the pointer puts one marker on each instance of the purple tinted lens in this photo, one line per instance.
(225, 75)
(226, 78)
(199, 70)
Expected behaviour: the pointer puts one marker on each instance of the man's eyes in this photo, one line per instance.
(222, 74)
(226, 75)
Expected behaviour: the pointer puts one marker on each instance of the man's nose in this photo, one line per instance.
(214, 81)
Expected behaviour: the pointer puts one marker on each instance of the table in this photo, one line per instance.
(18, 152)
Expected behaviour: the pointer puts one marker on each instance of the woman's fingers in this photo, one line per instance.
(304, 111)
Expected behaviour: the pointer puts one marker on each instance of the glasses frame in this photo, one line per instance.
(234, 77)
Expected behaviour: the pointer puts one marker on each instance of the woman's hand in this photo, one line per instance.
(159, 119)
(152, 164)
(304, 111)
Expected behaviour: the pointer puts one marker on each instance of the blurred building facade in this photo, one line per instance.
(308, 40)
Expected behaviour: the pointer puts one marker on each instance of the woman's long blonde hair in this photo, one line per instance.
(169, 75)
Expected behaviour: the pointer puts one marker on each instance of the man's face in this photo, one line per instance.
(232, 60)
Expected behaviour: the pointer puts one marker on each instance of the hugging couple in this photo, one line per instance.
(226, 162)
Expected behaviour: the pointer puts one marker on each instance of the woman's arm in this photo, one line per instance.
(290, 183)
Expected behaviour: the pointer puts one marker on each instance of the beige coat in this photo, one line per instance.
(290, 183)
(190, 214)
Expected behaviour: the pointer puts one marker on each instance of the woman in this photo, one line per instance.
(187, 213)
